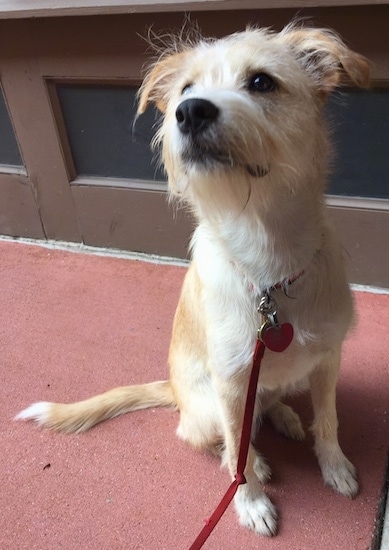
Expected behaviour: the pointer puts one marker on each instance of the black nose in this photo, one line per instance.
(195, 115)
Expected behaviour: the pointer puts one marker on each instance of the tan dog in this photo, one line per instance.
(245, 146)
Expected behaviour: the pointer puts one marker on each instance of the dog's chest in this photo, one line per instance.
(230, 299)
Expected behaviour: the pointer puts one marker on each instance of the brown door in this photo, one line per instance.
(80, 171)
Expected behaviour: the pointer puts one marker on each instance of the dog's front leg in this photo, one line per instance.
(254, 508)
(337, 470)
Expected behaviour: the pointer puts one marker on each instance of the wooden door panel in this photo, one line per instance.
(19, 215)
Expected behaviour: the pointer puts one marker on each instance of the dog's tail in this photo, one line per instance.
(80, 416)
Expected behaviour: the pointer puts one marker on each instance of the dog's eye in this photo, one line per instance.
(262, 83)
(186, 89)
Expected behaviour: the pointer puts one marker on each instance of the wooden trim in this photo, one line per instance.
(93, 81)
(32, 118)
(121, 183)
(17, 9)
(11, 169)
(358, 203)
(104, 54)
(61, 128)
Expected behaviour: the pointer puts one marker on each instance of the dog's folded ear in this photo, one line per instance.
(326, 58)
(157, 84)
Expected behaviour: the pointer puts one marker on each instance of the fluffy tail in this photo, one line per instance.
(80, 416)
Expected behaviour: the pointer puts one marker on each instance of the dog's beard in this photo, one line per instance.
(205, 155)
(208, 155)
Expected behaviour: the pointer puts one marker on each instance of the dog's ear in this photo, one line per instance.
(326, 58)
(157, 84)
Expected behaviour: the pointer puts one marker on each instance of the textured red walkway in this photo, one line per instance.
(73, 325)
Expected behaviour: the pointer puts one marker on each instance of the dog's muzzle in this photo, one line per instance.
(197, 122)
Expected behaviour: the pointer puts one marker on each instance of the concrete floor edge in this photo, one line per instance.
(80, 248)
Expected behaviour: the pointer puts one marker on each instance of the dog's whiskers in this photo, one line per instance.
(248, 198)
(290, 167)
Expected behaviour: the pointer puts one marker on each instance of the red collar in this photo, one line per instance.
(287, 282)
(281, 284)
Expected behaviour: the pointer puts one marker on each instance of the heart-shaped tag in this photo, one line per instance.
(277, 338)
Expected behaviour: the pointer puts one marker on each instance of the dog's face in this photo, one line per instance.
(248, 106)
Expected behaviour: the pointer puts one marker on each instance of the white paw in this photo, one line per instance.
(286, 421)
(261, 468)
(341, 476)
(256, 511)
(337, 470)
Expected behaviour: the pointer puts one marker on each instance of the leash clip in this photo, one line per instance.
(268, 309)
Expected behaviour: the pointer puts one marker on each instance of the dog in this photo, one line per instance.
(245, 147)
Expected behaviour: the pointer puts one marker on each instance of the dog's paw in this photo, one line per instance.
(286, 421)
(256, 512)
(341, 476)
(337, 470)
(261, 468)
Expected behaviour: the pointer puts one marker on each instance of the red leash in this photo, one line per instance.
(243, 450)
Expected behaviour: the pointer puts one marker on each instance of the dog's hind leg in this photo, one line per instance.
(285, 420)
(200, 423)
(337, 470)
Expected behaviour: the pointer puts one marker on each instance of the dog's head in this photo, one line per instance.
(247, 107)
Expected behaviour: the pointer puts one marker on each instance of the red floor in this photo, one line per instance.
(73, 325)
